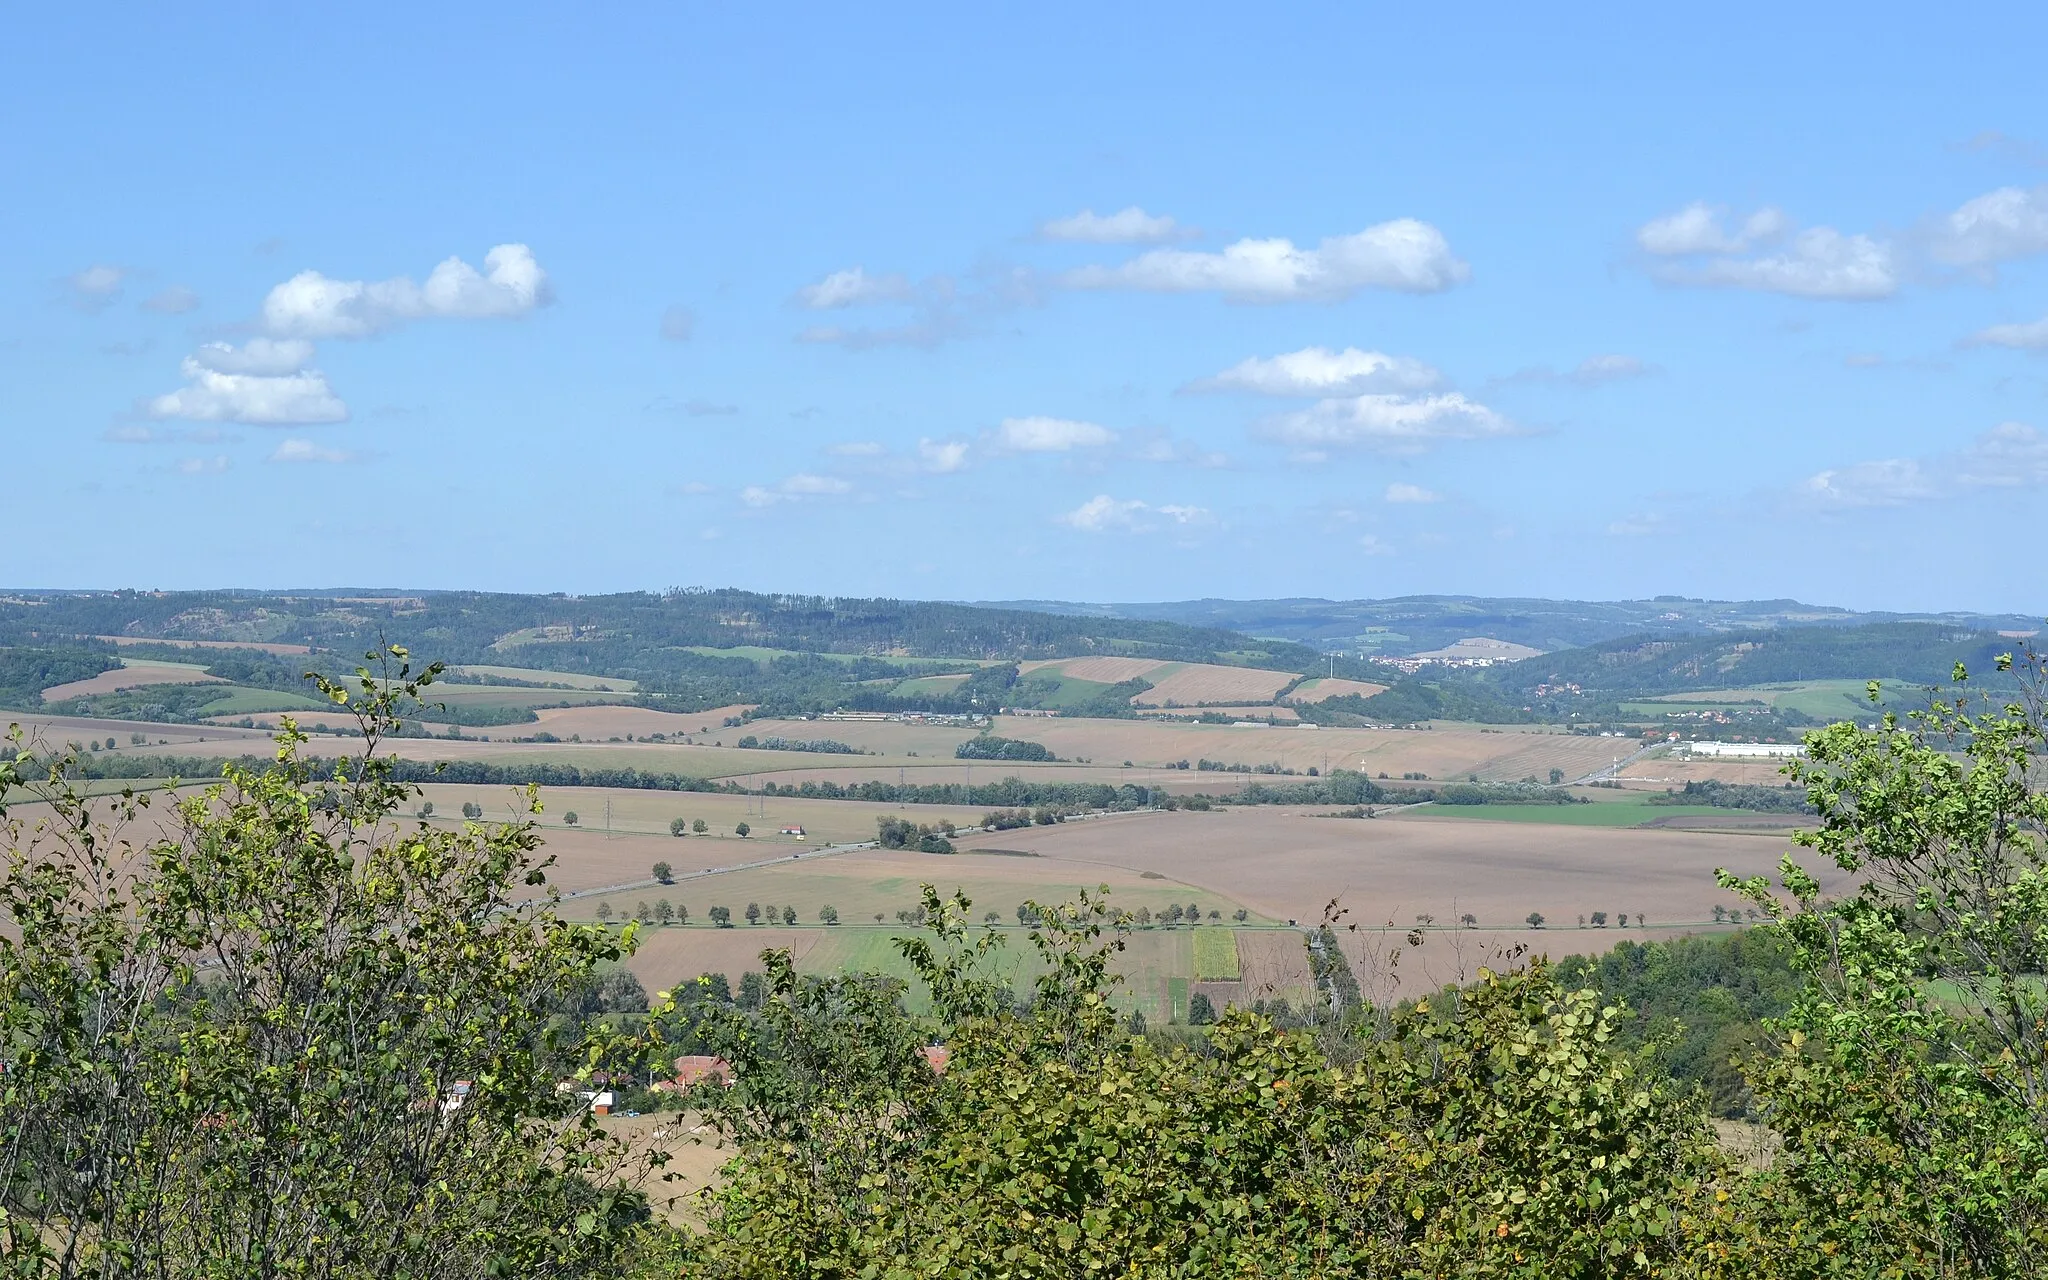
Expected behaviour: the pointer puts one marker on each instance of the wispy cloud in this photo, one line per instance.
(1593, 371)
(678, 324)
(1049, 435)
(1105, 514)
(2029, 336)
(1388, 423)
(1125, 226)
(1319, 371)
(2012, 455)
(802, 485)
(1402, 493)
(856, 449)
(296, 450)
(95, 288)
(173, 301)
(1405, 255)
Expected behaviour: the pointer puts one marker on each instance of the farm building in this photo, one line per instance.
(1738, 750)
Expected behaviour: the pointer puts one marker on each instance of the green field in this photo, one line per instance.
(240, 701)
(496, 696)
(927, 686)
(757, 653)
(535, 675)
(1632, 812)
(1821, 699)
(1216, 955)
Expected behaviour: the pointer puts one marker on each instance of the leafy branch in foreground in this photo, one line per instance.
(275, 1029)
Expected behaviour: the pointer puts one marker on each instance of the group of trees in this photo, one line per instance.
(902, 833)
(287, 1036)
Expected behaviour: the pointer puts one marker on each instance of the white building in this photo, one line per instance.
(1744, 750)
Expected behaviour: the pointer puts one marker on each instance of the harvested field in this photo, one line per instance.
(1096, 670)
(869, 882)
(178, 738)
(1659, 773)
(1198, 682)
(1322, 687)
(1257, 711)
(494, 696)
(1178, 782)
(1288, 865)
(890, 738)
(132, 675)
(258, 645)
(617, 722)
(648, 813)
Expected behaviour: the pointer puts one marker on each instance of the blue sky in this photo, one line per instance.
(1038, 301)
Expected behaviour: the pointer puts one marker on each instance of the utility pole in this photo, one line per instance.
(607, 817)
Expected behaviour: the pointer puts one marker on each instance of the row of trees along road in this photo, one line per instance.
(294, 1038)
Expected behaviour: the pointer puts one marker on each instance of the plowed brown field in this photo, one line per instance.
(130, 677)
(1203, 682)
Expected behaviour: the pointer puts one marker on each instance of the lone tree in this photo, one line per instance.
(664, 873)
(722, 917)
(570, 817)
(1556, 777)
(753, 913)
(700, 826)
(664, 911)
(1469, 920)
(679, 826)
(1599, 919)
(1201, 1010)
(682, 914)
(789, 915)
(604, 911)
(1535, 919)
(472, 810)
(742, 830)
(828, 914)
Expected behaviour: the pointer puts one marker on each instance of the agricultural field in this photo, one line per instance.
(1821, 699)
(133, 673)
(1181, 683)
(1216, 955)
(1632, 809)
(1256, 711)
(175, 739)
(494, 697)
(644, 816)
(1319, 688)
(928, 686)
(534, 675)
(257, 645)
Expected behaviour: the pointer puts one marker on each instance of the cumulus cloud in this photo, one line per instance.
(265, 357)
(174, 301)
(942, 457)
(2031, 336)
(296, 450)
(1104, 514)
(1400, 492)
(1125, 226)
(312, 305)
(803, 484)
(1698, 248)
(678, 324)
(2009, 456)
(1405, 255)
(853, 287)
(1389, 423)
(1996, 227)
(1319, 371)
(1049, 435)
(211, 394)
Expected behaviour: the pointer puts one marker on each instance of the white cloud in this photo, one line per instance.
(210, 395)
(136, 433)
(1371, 545)
(803, 484)
(1050, 435)
(96, 287)
(1319, 371)
(174, 301)
(1102, 514)
(1995, 227)
(2031, 336)
(856, 449)
(296, 450)
(942, 457)
(1697, 228)
(1819, 262)
(678, 324)
(311, 305)
(1126, 226)
(265, 357)
(1411, 493)
(1393, 424)
(853, 287)
(1405, 255)
(2011, 455)
(202, 466)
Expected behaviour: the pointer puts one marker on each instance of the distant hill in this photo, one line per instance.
(1407, 625)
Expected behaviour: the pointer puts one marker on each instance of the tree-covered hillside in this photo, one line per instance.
(629, 635)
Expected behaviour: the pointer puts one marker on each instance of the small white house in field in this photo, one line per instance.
(798, 832)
